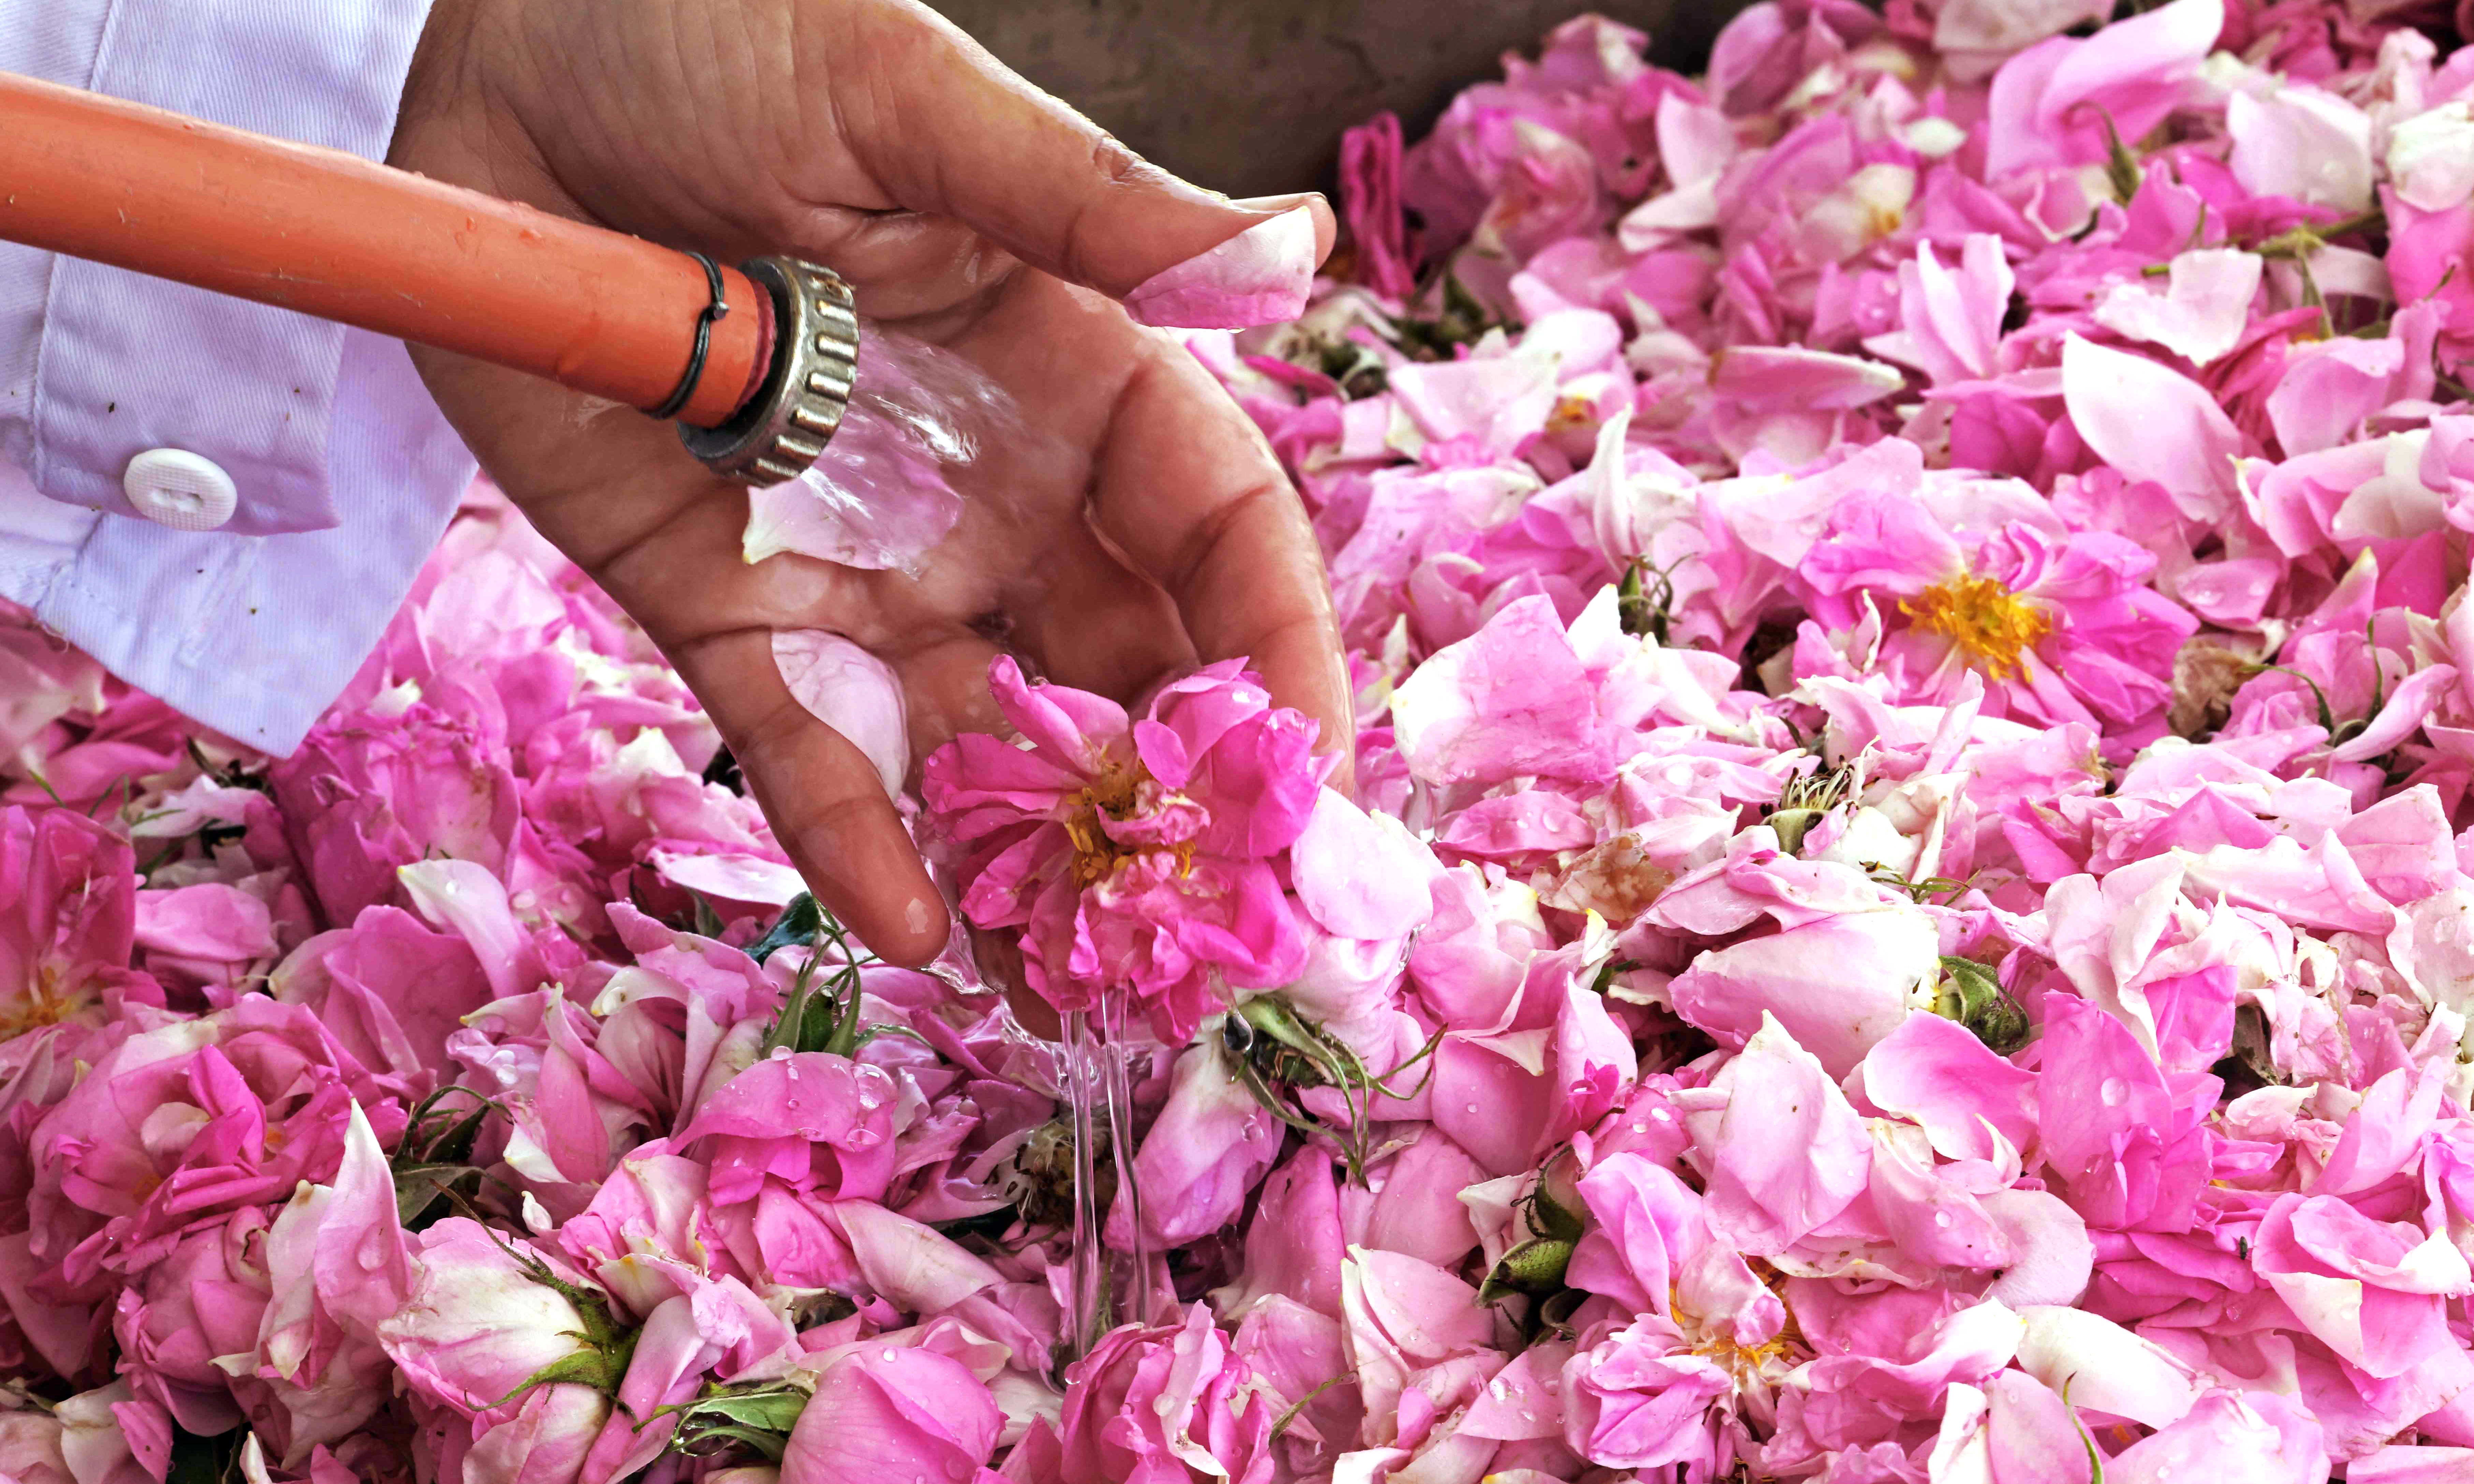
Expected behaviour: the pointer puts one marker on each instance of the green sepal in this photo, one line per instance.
(1270, 1051)
(1792, 825)
(2121, 170)
(204, 1460)
(758, 1416)
(1971, 995)
(600, 1370)
(1461, 319)
(1548, 1217)
(1535, 1268)
(814, 1016)
(432, 1163)
(425, 1193)
(605, 1346)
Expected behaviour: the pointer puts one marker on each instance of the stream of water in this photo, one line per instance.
(926, 432)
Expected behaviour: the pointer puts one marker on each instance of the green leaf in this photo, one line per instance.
(1357, 369)
(764, 1444)
(1555, 1310)
(798, 927)
(588, 1366)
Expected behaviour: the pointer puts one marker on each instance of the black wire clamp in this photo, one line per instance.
(712, 311)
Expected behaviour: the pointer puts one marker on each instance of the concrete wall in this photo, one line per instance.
(1250, 96)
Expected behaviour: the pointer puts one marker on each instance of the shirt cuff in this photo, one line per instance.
(252, 636)
(128, 363)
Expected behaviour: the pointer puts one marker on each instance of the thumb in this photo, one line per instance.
(945, 128)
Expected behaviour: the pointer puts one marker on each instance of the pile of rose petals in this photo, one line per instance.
(1901, 917)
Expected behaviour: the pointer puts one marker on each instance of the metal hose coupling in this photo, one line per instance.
(784, 426)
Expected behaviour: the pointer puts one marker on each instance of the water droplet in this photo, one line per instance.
(792, 1071)
(1473, 1108)
(2113, 1092)
(888, 1352)
(1941, 1218)
(1528, 1415)
(1638, 1127)
(1661, 1114)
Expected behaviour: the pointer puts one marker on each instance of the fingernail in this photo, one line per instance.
(1277, 203)
(1262, 275)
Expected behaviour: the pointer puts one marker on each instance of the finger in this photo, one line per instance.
(1190, 493)
(827, 806)
(944, 127)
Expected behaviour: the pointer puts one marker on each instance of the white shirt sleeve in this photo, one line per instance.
(344, 471)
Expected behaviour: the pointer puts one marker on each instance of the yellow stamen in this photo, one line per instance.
(1571, 411)
(1994, 627)
(1096, 855)
(46, 1002)
(1719, 1347)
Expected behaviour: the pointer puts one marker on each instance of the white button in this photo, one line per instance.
(176, 488)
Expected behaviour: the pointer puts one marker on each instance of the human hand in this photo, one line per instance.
(966, 208)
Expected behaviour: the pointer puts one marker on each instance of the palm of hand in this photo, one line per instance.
(1146, 526)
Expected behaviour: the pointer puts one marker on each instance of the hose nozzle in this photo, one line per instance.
(784, 428)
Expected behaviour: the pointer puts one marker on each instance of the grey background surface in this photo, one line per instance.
(1250, 96)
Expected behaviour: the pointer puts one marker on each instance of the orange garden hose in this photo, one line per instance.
(337, 237)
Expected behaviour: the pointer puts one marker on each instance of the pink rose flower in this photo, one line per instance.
(485, 1317)
(1166, 1405)
(1135, 856)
